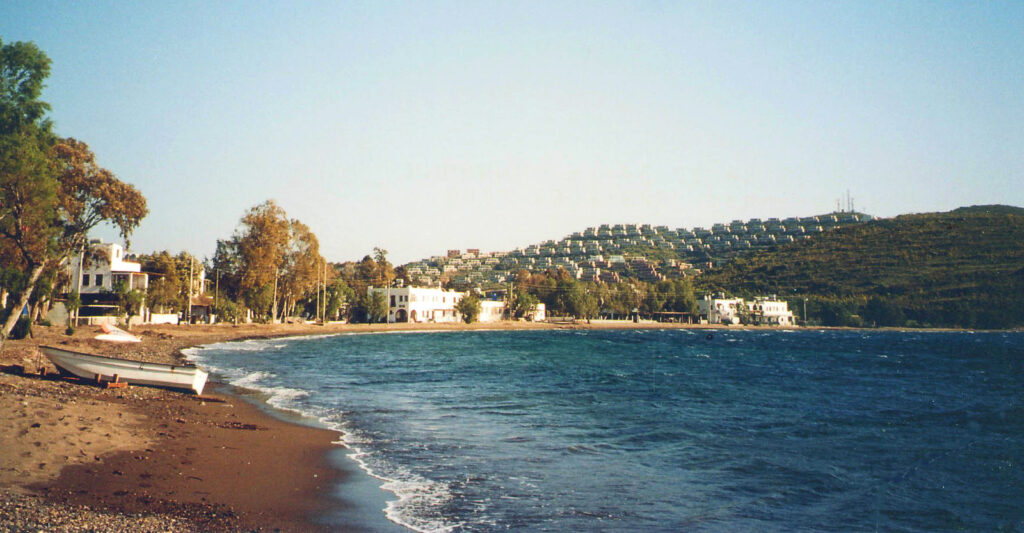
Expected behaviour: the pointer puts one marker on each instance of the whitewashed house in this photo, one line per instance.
(96, 274)
(720, 310)
(491, 311)
(419, 304)
(770, 312)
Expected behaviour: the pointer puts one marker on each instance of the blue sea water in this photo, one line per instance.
(666, 430)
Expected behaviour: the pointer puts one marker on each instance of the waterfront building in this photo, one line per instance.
(419, 304)
(98, 272)
(770, 311)
(720, 310)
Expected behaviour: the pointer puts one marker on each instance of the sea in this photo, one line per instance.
(663, 430)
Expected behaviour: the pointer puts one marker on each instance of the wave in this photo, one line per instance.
(418, 500)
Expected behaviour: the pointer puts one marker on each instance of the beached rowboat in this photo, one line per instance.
(103, 368)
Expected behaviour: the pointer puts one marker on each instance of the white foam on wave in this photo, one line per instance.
(250, 345)
(251, 379)
(418, 498)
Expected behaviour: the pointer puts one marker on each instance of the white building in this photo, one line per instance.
(96, 274)
(104, 266)
(770, 312)
(720, 310)
(491, 311)
(417, 304)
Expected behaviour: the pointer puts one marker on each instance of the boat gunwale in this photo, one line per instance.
(183, 365)
(195, 378)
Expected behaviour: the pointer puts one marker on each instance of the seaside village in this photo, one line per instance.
(424, 301)
(602, 254)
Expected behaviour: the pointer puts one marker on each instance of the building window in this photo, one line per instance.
(99, 280)
(85, 280)
(392, 300)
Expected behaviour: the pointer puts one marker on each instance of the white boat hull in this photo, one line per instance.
(89, 366)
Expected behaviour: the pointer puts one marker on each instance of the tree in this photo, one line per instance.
(376, 307)
(338, 294)
(129, 301)
(469, 307)
(262, 245)
(29, 224)
(51, 190)
(165, 287)
(226, 268)
(681, 298)
(89, 194)
(385, 271)
(23, 68)
(881, 312)
(73, 303)
(303, 265)
(522, 304)
(228, 310)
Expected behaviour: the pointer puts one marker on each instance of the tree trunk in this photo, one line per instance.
(22, 302)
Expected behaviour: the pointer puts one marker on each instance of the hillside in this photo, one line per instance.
(962, 268)
(642, 251)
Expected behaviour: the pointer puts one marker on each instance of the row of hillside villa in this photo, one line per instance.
(424, 305)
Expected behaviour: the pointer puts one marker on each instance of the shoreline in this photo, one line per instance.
(78, 457)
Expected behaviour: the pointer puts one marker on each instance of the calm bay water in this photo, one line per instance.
(666, 430)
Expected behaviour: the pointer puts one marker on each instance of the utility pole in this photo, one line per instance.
(78, 289)
(188, 317)
(273, 311)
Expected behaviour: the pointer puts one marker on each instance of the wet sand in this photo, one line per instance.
(75, 457)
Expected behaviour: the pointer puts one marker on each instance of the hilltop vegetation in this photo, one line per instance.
(964, 268)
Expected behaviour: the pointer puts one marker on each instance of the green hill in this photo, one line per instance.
(964, 268)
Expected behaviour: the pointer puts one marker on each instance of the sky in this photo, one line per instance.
(424, 126)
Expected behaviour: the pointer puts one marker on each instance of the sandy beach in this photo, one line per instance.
(80, 458)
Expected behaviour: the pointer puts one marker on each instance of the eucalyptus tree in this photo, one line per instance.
(52, 191)
(272, 260)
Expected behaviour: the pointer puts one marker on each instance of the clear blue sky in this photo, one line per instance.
(423, 126)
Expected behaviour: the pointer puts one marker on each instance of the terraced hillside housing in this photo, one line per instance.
(611, 253)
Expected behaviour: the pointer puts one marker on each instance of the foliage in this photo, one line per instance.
(957, 269)
(271, 263)
(303, 266)
(73, 303)
(226, 268)
(357, 278)
(229, 311)
(338, 295)
(469, 307)
(522, 304)
(262, 244)
(376, 307)
(51, 190)
(168, 285)
(89, 194)
(23, 68)
(129, 301)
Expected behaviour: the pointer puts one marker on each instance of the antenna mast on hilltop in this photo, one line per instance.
(849, 203)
